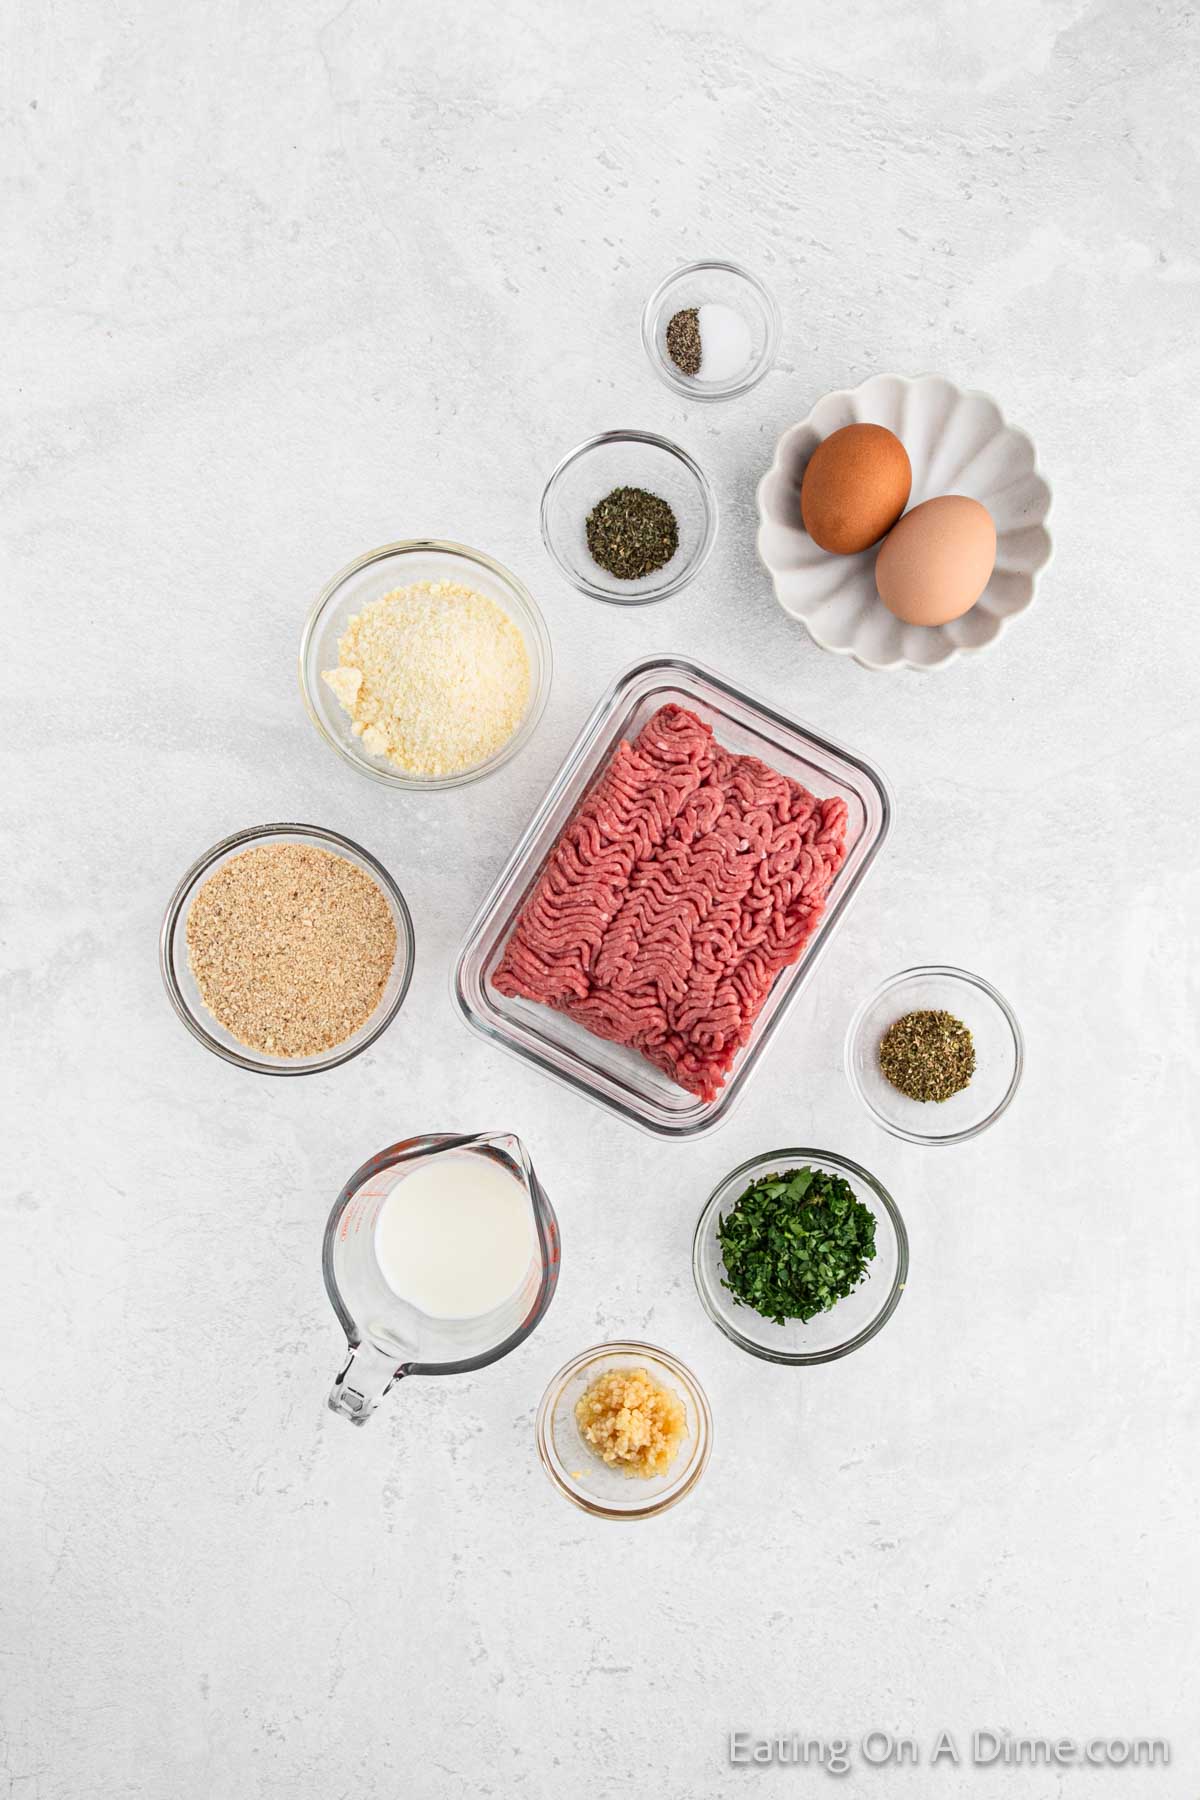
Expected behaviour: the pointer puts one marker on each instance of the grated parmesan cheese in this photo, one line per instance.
(435, 677)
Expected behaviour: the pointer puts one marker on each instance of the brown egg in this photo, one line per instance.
(937, 561)
(855, 487)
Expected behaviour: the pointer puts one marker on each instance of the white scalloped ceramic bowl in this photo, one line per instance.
(958, 443)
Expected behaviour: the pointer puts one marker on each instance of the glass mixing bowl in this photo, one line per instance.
(576, 1470)
(180, 983)
(628, 459)
(369, 578)
(849, 1324)
(999, 1055)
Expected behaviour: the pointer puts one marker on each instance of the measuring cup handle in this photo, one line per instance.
(363, 1382)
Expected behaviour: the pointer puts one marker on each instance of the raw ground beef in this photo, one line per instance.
(688, 878)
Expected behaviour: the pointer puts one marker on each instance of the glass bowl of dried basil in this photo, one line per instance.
(800, 1256)
(935, 1055)
(629, 517)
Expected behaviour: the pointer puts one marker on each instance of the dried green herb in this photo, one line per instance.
(632, 533)
(795, 1244)
(683, 341)
(928, 1055)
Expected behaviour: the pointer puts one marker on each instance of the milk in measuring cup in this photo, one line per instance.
(456, 1237)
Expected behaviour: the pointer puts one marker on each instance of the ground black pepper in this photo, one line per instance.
(683, 341)
(632, 533)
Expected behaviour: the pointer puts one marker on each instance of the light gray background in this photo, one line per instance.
(285, 282)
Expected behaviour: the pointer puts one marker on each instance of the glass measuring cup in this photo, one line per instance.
(387, 1335)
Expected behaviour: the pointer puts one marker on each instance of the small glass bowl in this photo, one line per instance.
(999, 1055)
(628, 459)
(712, 283)
(369, 578)
(180, 983)
(578, 1472)
(847, 1325)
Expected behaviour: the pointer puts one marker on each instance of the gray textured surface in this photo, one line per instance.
(285, 283)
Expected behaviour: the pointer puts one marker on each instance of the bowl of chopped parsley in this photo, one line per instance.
(800, 1256)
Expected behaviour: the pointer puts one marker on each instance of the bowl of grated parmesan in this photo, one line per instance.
(425, 664)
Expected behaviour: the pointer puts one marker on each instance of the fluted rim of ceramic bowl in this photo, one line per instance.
(708, 501)
(778, 466)
(693, 1392)
(683, 384)
(287, 831)
(745, 1173)
(541, 670)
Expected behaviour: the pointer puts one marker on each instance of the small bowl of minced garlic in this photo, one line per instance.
(425, 664)
(624, 1430)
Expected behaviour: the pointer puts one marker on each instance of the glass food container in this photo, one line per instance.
(608, 1073)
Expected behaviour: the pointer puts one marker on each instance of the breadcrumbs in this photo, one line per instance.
(291, 948)
(632, 1422)
(435, 677)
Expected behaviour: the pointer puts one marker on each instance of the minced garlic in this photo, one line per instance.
(435, 677)
(632, 1422)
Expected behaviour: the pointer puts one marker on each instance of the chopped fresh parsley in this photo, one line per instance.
(795, 1244)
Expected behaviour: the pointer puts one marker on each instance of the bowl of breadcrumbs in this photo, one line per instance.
(287, 949)
(425, 664)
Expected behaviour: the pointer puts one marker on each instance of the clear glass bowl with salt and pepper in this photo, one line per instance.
(711, 331)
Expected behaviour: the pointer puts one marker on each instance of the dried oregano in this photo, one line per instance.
(928, 1055)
